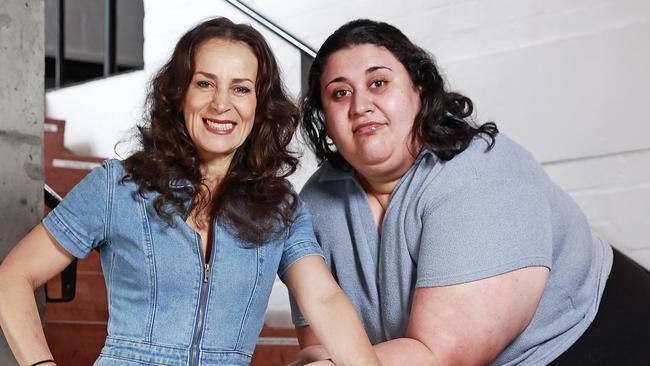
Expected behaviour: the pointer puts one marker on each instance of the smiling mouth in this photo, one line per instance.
(368, 127)
(219, 126)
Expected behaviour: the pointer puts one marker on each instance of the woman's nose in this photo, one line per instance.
(221, 101)
(361, 102)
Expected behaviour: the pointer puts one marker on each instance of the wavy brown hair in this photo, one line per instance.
(443, 124)
(253, 199)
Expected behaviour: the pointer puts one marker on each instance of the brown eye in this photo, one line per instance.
(242, 90)
(378, 83)
(338, 94)
(203, 84)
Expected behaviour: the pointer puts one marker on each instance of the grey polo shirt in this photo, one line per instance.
(479, 215)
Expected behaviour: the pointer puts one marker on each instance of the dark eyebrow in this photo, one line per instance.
(214, 77)
(207, 75)
(336, 80)
(375, 68)
(242, 80)
(368, 71)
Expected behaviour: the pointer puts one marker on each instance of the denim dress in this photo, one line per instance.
(166, 306)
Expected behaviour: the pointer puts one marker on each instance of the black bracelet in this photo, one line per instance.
(42, 362)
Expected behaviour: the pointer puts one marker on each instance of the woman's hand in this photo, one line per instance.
(321, 363)
(36, 259)
(310, 354)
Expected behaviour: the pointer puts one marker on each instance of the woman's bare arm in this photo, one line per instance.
(466, 324)
(37, 258)
(331, 315)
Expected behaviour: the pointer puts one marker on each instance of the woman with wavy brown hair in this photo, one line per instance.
(193, 228)
(448, 237)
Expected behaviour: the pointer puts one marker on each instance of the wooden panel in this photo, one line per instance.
(75, 344)
(89, 304)
(275, 355)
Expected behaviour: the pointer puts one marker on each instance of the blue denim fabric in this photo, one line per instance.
(163, 309)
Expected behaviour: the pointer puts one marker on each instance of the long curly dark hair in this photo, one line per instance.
(443, 124)
(253, 198)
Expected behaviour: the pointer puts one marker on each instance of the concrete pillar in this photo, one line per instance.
(21, 126)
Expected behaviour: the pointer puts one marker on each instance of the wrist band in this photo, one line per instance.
(42, 362)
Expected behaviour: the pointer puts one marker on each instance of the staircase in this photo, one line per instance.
(75, 330)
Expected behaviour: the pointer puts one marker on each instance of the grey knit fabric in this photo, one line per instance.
(479, 215)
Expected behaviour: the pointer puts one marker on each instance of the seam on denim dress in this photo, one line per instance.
(109, 202)
(149, 255)
(114, 357)
(76, 241)
(107, 234)
(260, 261)
(109, 288)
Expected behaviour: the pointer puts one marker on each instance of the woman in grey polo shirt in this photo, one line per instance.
(449, 238)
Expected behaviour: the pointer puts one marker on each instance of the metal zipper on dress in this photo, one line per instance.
(194, 354)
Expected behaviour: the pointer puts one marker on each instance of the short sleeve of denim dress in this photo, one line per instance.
(78, 223)
(301, 241)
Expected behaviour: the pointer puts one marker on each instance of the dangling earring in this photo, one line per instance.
(328, 140)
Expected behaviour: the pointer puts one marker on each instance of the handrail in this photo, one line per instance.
(274, 28)
(69, 274)
(52, 199)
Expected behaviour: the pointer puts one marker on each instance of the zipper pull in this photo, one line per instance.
(206, 273)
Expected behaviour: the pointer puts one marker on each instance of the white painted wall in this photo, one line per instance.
(100, 113)
(566, 79)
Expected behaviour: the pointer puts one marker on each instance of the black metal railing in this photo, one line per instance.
(307, 54)
(59, 67)
(110, 42)
(273, 27)
(110, 37)
(69, 274)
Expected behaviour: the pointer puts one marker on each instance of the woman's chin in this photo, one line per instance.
(372, 165)
(384, 164)
(367, 159)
